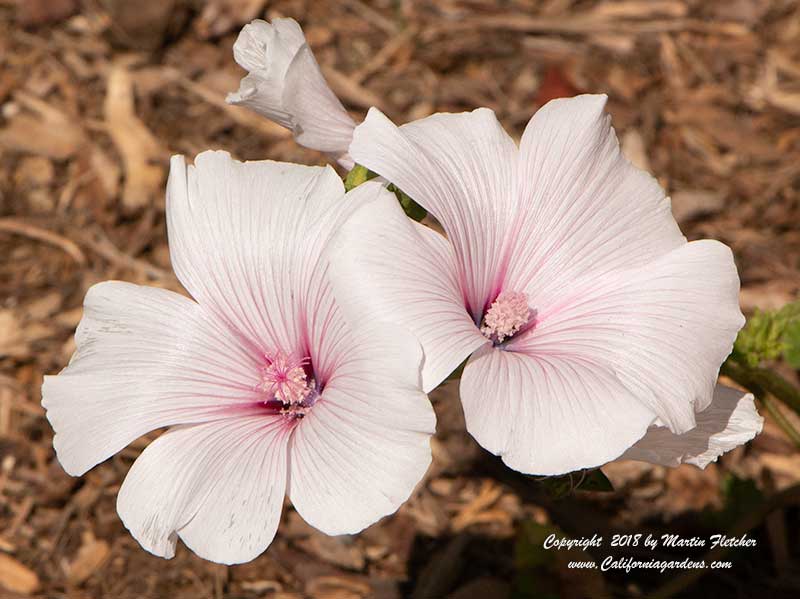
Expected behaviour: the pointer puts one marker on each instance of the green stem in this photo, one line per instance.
(765, 384)
(767, 380)
(781, 420)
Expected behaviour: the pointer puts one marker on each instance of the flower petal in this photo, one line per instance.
(729, 421)
(585, 210)
(320, 121)
(664, 329)
(218, 486)
(386, 267)
(549, 415)
(285, 85)
(266, 51)
(362, 448)
(246, 240)
(145, 358)
(462, 169)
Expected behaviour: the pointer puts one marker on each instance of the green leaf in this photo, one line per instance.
(541, 573)
(534, 566)
(791, 344)
(596, 481)
(592, 480)
(558, 486)
(740, 496)
(529, 551)
(358, 175)
(769, 335)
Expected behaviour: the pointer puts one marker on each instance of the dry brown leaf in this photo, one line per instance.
(634, 150)
(639, 9)
(45, 131)
(768, 296)
(10, 333)
(471, 513)
(90, 558)
(32, 13)
(17, 577)
(691, 203)
(140, 24)
(34, 171)
(106, 170)
(140, 151)
(341, 551)
(212, 89)
(338, 587)
(42, 307)
(221, 16)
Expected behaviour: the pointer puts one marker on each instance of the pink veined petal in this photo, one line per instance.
(663, 329)
(585, 210)
(266, 50)
(462, 169)
(320, 120)
(387, 267)
(549, 414)
(729, 421)
(145, 358)
(365, 445)
(218, 486)
(246, 240)
(285, 85)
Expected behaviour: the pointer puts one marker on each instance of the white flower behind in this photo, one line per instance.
(285, 85)
(584, 315)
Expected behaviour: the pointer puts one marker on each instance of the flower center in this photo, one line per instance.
(506, 316)
(286, 386)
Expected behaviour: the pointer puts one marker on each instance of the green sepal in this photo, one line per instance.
(413, 210)
(361, 174)
(358, 175)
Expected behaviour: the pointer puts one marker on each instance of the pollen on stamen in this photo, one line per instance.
(506, 316)
(284, 382)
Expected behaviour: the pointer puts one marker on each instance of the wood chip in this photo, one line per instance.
(90, 558)
(40, 12)
(222, 16)
(341, 551)
(692, 203)
(45, 131)
(17, 577)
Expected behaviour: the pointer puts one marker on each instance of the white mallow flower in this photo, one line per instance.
(266, 389)
(583, 314)
(285, 85)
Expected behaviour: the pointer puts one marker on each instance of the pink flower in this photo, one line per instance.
(286, 85)
(586, 316)
(267, 390)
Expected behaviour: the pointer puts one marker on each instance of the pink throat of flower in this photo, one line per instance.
(506, 316)
(285, 384)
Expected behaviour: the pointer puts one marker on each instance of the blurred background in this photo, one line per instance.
(95, 95)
